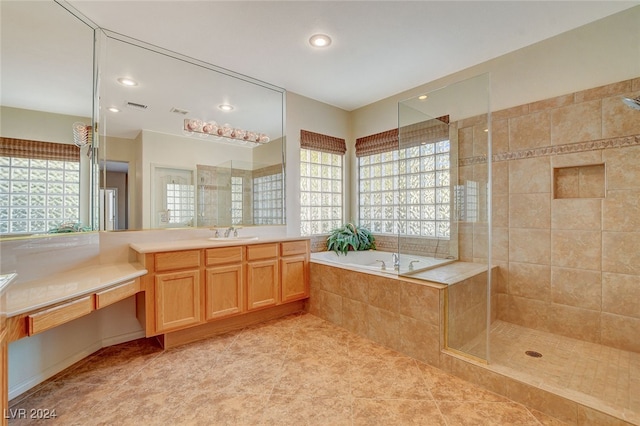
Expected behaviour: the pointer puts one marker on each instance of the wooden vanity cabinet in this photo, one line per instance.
(224, 279)
(215, 286)
(177, 287)
(263, 280)
(294, 269)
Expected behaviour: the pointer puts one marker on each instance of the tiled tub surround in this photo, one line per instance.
(466, 314)
(406, 317)
(405, 313)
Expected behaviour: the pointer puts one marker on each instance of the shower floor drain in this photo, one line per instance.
(534, 354)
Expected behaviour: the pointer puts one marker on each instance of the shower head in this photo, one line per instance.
(633, 103)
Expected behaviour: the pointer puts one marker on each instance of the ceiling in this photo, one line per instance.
(379, 48)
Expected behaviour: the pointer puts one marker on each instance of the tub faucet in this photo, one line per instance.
(228, 231)
(396, 261)
(383, 267)
(411, 264)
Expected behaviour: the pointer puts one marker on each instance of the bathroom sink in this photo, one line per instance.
(231, 239)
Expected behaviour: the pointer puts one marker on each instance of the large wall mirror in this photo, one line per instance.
(183, 143)
(46, 181)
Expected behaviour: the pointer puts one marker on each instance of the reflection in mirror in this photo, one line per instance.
(240, 193)
(203, 146)
(46, 182)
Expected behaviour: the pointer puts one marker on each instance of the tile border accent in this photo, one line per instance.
(569, 148)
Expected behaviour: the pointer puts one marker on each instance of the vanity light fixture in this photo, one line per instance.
(113, 109)
(320, 40)
(226, 131)
(225, 107)
(126, 81)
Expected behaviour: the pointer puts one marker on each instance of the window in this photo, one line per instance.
(180, 203)
(321, 165)
(320, 192)
(406, 189)
(236, 200)
(39, 186)
(267, 199)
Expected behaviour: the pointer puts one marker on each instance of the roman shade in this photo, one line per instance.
(320, 142)
(23, 148)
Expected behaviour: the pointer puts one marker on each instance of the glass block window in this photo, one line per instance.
(268, 200)
(37, 195)
(407, 191)
(180, 203)
(320, 191)
(467, 201)
(236, 199)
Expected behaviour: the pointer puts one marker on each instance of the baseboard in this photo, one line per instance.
(122, 338)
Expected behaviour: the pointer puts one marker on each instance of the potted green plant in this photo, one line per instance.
(350, 237)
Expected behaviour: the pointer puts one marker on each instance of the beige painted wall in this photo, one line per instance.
(314, 116)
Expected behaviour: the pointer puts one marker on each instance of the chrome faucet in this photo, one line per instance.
(396, 261)
(411, 264)
(383, 267)
(228, 231)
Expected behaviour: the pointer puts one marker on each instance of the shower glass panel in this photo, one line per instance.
(444, 182)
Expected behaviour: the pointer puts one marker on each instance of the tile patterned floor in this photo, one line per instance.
(602, 377)
(298, 370)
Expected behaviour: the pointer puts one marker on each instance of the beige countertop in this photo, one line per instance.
(31, 295)
(154, 247)
(452, 273)
(5, 280)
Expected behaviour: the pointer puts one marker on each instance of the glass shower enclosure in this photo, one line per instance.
(445, 196)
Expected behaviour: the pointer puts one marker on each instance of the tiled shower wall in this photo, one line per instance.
(569, 259)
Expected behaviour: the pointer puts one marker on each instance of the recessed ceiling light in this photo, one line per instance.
(125, 81)
(422, 97)
(320, 40)
(225, 107)
(113, 109)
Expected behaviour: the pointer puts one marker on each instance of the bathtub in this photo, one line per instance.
(372, 260)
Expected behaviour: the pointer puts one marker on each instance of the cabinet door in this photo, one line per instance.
(262, 284)
(177, 300)
(295, 283)
(223, 291)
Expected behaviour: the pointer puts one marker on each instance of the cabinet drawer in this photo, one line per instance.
(115, 294)
(177, 260)
(223, 255)
(262, 251)
(53, 317)
(294, 247)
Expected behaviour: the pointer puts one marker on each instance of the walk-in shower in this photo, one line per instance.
(541, 194)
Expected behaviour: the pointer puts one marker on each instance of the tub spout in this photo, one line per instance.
(396, 261)
(383, 266)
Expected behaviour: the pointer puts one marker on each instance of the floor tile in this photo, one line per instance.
(295, 370)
